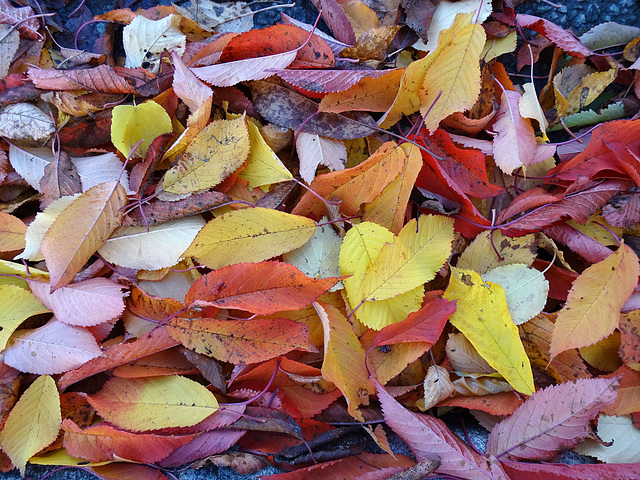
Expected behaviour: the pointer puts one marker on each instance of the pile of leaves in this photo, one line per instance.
(271, 239)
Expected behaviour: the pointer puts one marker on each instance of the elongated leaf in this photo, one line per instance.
(264, 288)
(207, 443)
(161, 247)
(214, 154)
(84, 304)
(102, 442)
(16, 305)
(552, 420)
(33, 423)
(139, 404)
(249, 235)
(155, 341)
(99, 79)
(186, 86)
(344, 359)
(483, 316)
(53, 348)
(427, 436)
(413, 259)
(593, 306)
(241, 341)
(560, 471)
(84, 225)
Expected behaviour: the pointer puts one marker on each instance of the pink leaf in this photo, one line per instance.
(53, 348)
(325, 81)
(101, 443)
(337, 20)
(83, 304)
(537, 471)
(564, 39)
(205, 444)
(552, 420)
(428, 437)
(186, 86)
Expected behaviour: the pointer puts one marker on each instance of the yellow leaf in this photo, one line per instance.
(81, 229)
(19, 270)
(249, 235)
(529, 107)
(263, 165)
(418, 252)
(16, 305)
(389, 208)
(481, 257)
(60, 458)
(33, 423)
(494, 47)
(140, 404)
(452, 82)
(483, 317)
(593, 305)
(603, 355)
(361, 17)
(214, 154)
(378, 315)
(344, 359)
(132, 123)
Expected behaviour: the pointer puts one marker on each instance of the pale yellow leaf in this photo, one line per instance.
(437, 386)
(16, 305)
(33, 423)
(481, 257)
(144, 39)
(249, 235)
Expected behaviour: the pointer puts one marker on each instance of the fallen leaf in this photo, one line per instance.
(314, 150)
(16, 305)
(624, 439)
(24, 121)
(138, 123)
(144, 39)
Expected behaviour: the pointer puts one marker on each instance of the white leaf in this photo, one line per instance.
(530, 107)
(319, 257)
(23, 121)
(40, 225)
(53, 348)
(187, 86)
(314, 150)
(160, 247)
(143, 39)
(526, 290)
(30, 163)
(625, 438)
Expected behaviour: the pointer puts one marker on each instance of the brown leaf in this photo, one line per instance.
(60, 178)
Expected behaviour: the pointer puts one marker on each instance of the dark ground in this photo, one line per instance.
(577, 15)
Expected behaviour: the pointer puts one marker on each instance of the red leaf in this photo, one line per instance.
(578, 242)
(102, 442)
(551, 471)
(263, 288)
(425, 325)
(205, 444)
(564, 39)
(552, 420)
(325, 81)
(337, 20)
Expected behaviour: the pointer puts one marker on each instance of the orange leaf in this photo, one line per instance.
(81, 229)
(102, 443)
(593, 305)
(357, 185)
(263, 288)
(628, 399)
(12, 231)
(99, 79)
(241, 341)
(344, 359)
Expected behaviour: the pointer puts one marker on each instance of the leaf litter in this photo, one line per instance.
(222, 237)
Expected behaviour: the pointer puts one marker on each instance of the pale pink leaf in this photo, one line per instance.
(231, 73)
(429, 438)
(335, 46)
(514, 143)
(186, 86)
(205, 444)
(314, 150)
(552, 420)
(83, 304)
(53, 348)
(325, 81)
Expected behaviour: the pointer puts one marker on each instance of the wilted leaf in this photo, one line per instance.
(33, 423)
(153, 403)
(552, 420)
(483, 316)
(241, 341)
(53, 348)
(593, 306)
(84, 225)
(437, 386)
(60, 179)
(249, 235)
(214, 154)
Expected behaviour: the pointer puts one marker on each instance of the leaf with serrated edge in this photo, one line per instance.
(139, 404)
(16, 305)
(53, 348)
(81, 229)
(162, 246)
(483, 316)
(553, 420)
(594, 302)
(84, 304)
(427, 437)
(249, 235)
(344, 359)
(33, 423)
